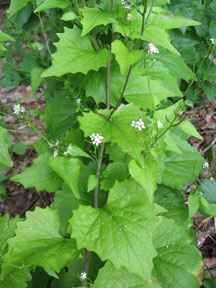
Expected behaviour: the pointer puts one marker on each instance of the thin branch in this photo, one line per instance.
(209, 146)
(98, 176)
(44, 34)
(86, 266)
(109, 81)
(122, 93)
(166, 130)
(143, 15)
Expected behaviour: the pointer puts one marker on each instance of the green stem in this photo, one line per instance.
(98, 176)
(44, 34)
(109, 81)
(122, 93)
(145, 4)
(165, 131)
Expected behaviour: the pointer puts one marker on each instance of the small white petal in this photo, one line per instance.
(206, 165)
(152, 49)
(212, 40)
(160, 124)
(18, 109)
(83, 276)
(96, 139)
(138, 124)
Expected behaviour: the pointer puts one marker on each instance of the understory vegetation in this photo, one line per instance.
(115, 79)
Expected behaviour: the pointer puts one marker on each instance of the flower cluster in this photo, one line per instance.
(18, 109)
(206, 165)
(138, 124)
(96, 139)
(83, 276)
(152, 49)
(126, 4)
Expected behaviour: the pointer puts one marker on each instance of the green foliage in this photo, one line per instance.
(133, 215)
(48, 4)
(114, 149)
(197, 45)
(5, 144)
(39, 176)
(38, 243)
(75, 54)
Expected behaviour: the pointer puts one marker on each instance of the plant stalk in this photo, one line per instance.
(122, 93)
(108, 81)
(145, 2)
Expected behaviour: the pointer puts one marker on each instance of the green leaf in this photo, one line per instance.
(118, 129)
(207, 208)
(7, 228)
(110, 277)
(125, 57)
(193, 203)
(116, 171)
(176, 65)
(48, 4)
(71, 278)
(36, 78)
(5, 37)
(188, 128)
(179, 262)
(166, 20)
(18, 278)
(58, 121)
(145, 175)
(153, 34)
(92, 182)
(39, 175)
(96, 87)
(38, 243)
(147, 93)
(121, 231)
(208, 189)
(93, 17)
(64, 202)
(173, 201)
(75, 54)
(182, 169)
(76, 151)
(5, 144)
(16, 6)
(69, 171)
(69, 16)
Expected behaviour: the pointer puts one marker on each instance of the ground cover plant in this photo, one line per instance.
(114, 150)
(197, 46)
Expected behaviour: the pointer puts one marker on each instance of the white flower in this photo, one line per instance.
(138, 124)
(152, 49)
(206, 165)
(213, 41)
(96, 139)
(129, 17)
(160, 124)
(83, 276)
(18, 109)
